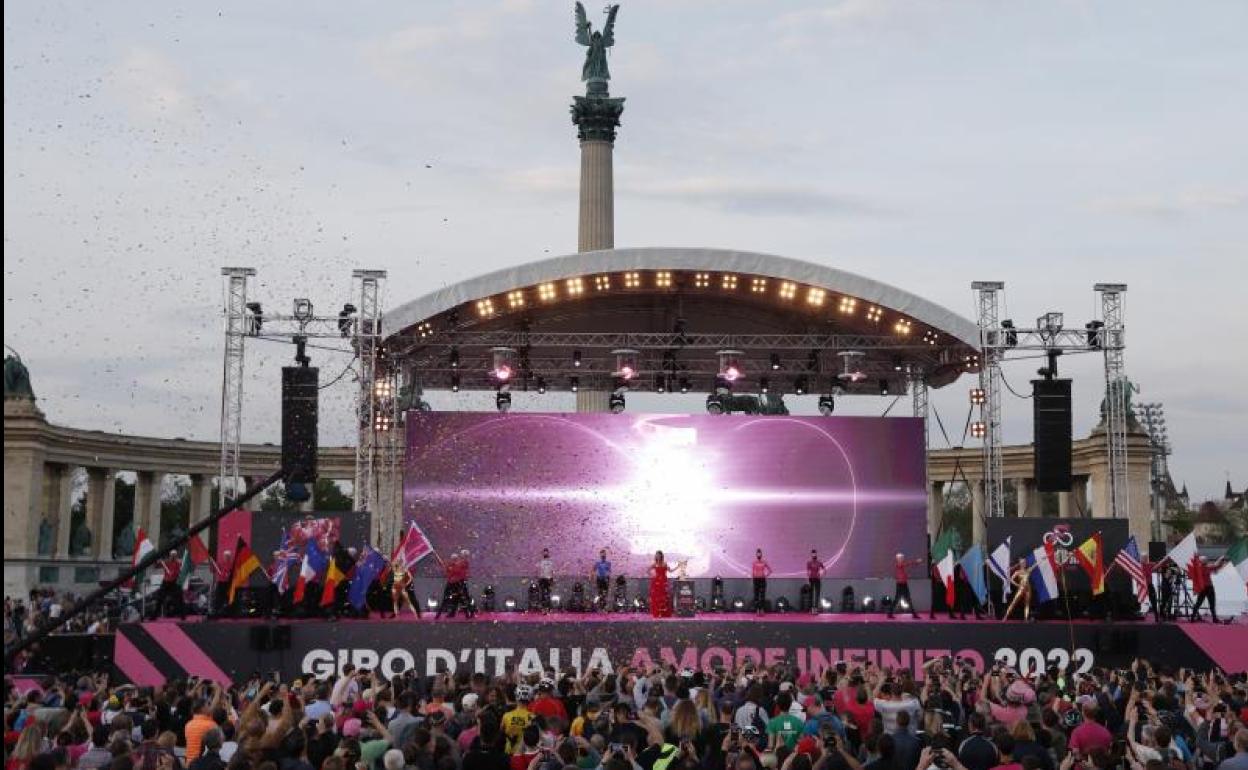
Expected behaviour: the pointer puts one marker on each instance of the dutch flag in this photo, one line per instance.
(1043, 570)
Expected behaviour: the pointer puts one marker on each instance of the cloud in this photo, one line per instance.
(1186, 202)
(152, 85)
(796, 28)
(756, 198)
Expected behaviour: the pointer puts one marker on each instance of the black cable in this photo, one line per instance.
(890, 406)
(970, 412)
(941, 425)
(127, 575)
(334, 381)
(1016, 394)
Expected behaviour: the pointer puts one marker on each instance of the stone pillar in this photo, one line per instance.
(935, 507)
(1079, 497)
(147, 486)
(201, 503)
(100, 499)
(60, 505)
(979, 526)
(596, 116)
(1064, 509)
(23, 500)
(1028, 499)
(593, 400)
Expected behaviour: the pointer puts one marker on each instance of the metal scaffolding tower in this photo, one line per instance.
(988, 296)
(918, 394)
(1152, 417)
(1113, 342)
(236, 329)
(376, 388)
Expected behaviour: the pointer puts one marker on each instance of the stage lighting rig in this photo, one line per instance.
(684, 384)
(764, 385)
(660, 383)
(827, 404)
(344, 319)
(574, 384)
(883, 387)
(502, 400)
(454, 358)
(775, 362)
(454, 383)
(303, 310)
(851, 366)
(625, 363)
(503, 367)
(487, 599)
(255, 322)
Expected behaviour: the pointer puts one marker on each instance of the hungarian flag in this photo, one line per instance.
(142, 547)
(245, 563)
(314, 563)
(1237, 555)
(1091, 556)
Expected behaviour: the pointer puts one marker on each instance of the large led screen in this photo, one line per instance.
(704, 489)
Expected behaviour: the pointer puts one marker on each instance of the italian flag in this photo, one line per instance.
(1238, 556)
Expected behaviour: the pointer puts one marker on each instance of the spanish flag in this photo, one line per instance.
(1091, 556)
(245, 563)
(333, 576)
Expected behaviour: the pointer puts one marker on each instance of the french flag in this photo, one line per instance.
(315, 562)
(1043, 569)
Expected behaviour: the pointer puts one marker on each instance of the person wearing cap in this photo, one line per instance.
(515, 721)
(546, 704)
(901, 589)
(978, 752)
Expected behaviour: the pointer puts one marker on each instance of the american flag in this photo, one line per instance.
(283, 557)
(1129, 559)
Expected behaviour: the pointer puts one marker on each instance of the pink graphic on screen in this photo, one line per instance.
(704, 489)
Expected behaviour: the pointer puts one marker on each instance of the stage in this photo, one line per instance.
(152, 652)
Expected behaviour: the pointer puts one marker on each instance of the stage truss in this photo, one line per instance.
(1106, 335)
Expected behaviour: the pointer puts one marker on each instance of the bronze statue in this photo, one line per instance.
(595, 71)
(16, 379)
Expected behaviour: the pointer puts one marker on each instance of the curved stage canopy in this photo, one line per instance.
(792, 326)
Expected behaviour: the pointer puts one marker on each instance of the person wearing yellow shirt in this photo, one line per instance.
(517, 719)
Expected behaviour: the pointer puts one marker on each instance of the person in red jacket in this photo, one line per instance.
(546, 704)
(1201, 574)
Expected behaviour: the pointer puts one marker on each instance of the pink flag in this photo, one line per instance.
(412, 548)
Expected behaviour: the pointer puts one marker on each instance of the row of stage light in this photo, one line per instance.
(788, 293)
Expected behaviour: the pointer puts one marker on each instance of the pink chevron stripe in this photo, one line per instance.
(133, 664)
(1224, 644)
(187, 653)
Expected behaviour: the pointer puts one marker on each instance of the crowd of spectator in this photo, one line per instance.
(854, 716)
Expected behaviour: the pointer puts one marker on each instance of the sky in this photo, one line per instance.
(1050, 145)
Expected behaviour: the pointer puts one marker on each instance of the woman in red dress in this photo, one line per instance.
(660, 603)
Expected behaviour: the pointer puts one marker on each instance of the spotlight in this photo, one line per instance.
(487, 599)
(625, 363)
(886, 604)
(827, 404)
(660, 383)
(730, 368)
(303, 310)
(256, 321)
(904, 605)
(979, 396)
(738, 604)
(1011, 334)
(764, 385)
(576, 359)
(502, 368)
(847, 599)
(898, 365)
(502, 401)
(574, 384)
(1051, 322)
(431, 602)
(978, 429)
(883, 387)
(510, 603)
(616, 403)
(541, 385)
(782, 604)
(868, 604)
(344, 318)
(799, 386)
(699, 604)
(825, 604)
(556, 601)
(1093, 330)
(715, 404)
(454, 383)
(775, 362)
(684, 384)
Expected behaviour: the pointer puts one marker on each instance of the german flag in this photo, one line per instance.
(245, 563)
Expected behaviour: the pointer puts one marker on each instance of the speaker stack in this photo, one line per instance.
(1051, 400)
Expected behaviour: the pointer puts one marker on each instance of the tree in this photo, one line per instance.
(326, 496)
(957, 510)
(175, 512)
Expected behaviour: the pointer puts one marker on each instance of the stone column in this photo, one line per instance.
(1079, 497)
(60, 505)
(201, 503)
(1028, 499)
(147, 486)
(100, 499)
(935, 506)
(596, 116)
(23, 500)
(979, 526)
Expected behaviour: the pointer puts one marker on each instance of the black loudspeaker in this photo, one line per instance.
(1156, 550)
(261, 638)
(299, 422)
(281, 637)
(1052, 434)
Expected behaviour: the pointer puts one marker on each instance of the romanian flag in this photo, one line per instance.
(333, 576)
(1091, 556)
(245, 563)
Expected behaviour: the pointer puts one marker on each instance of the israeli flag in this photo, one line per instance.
(1043, 574)
(999, 564)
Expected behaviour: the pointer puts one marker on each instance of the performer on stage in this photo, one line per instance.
(1202, 583)
(759, 571)
(221, 584)
(602, 580)
(814, 574)
(1020, 578)
(1148, 569)
(902, 588)
(1172, 585)
(463, 596)
(545, 580)
(660, 602)
(400, 581)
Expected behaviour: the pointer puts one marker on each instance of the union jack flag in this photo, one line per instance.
(1129, 559)
(283, 558)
